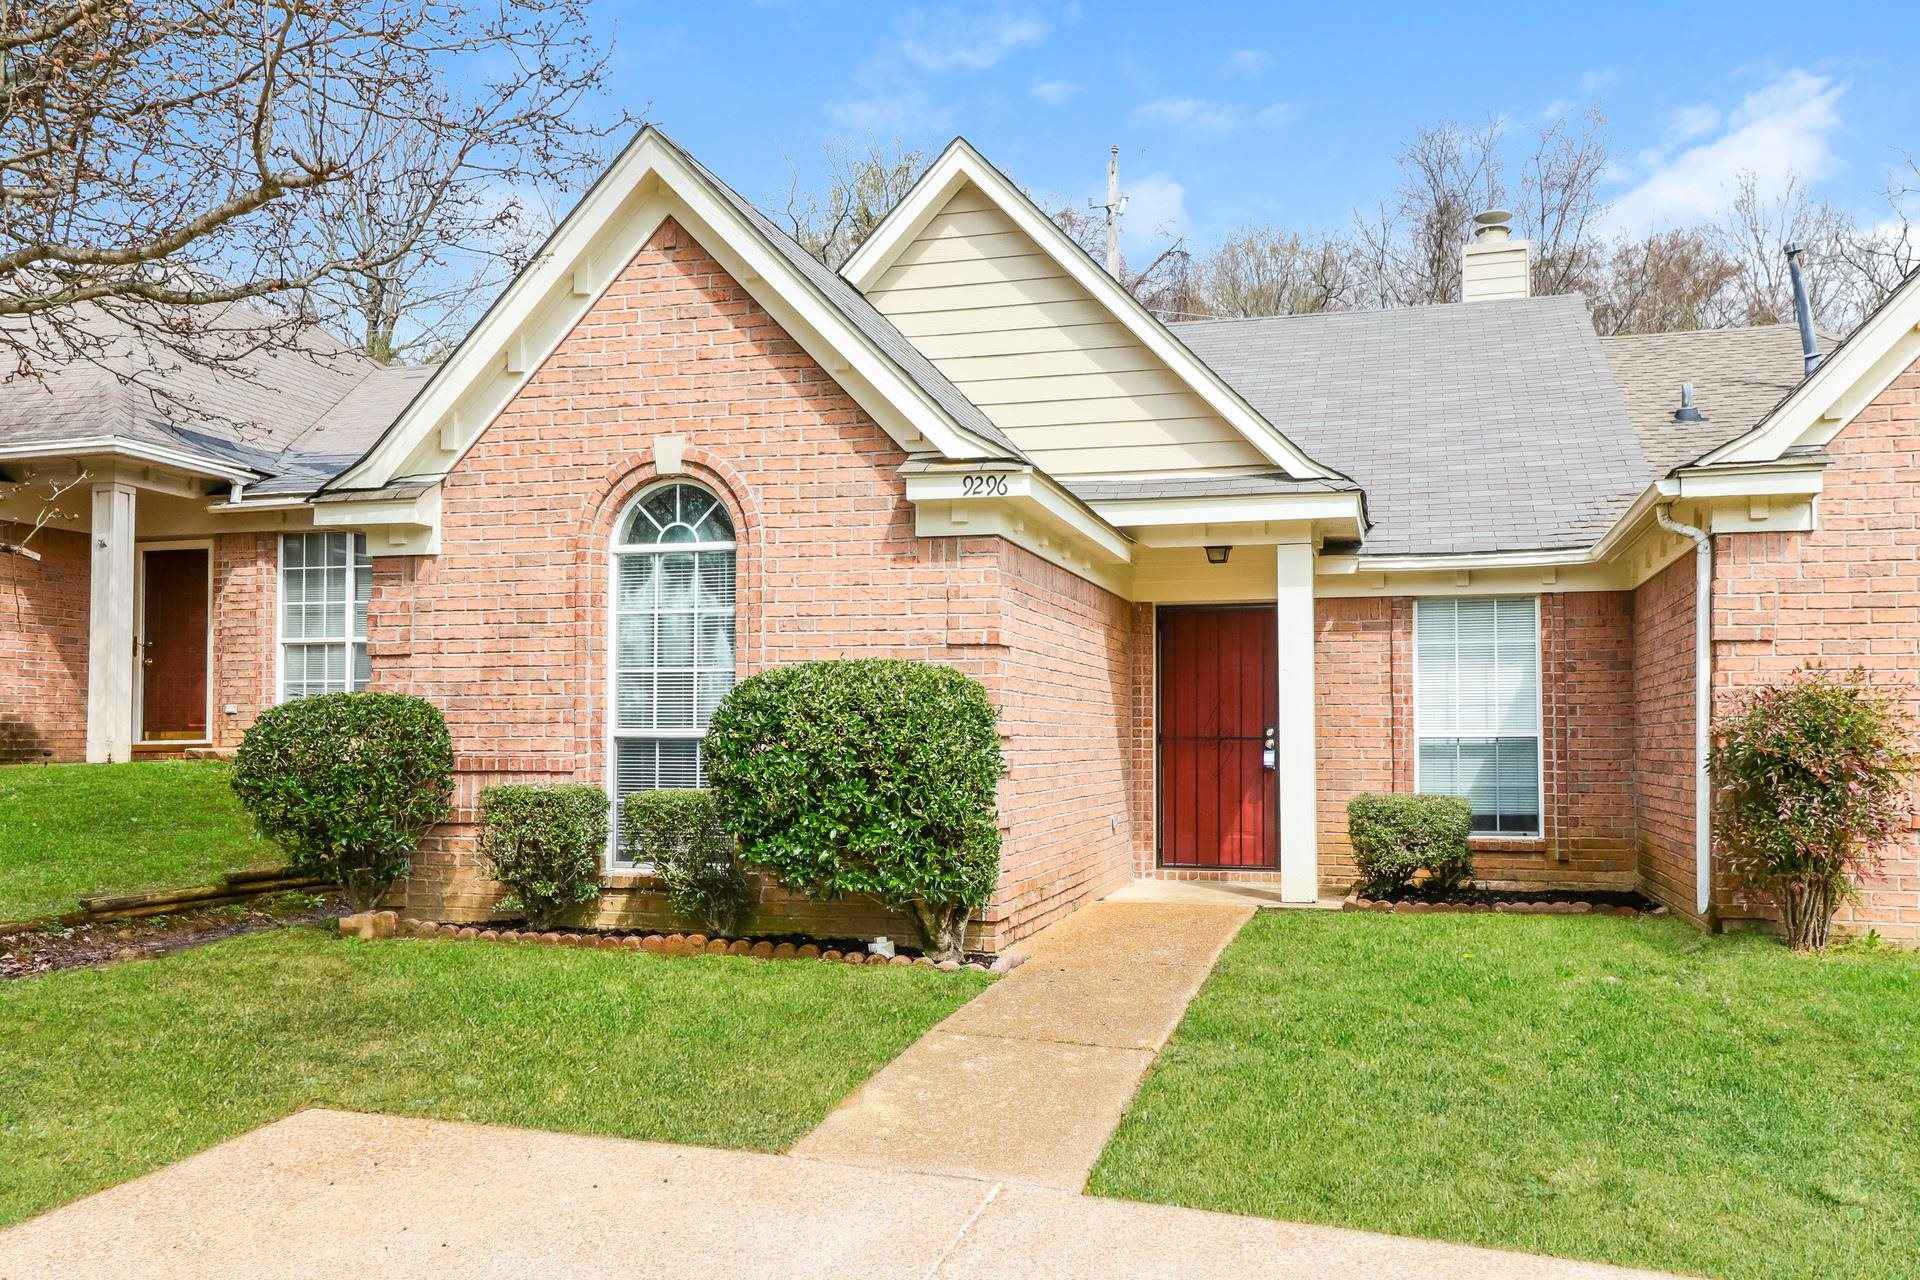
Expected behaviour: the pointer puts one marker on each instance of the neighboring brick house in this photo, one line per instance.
(1217, 578)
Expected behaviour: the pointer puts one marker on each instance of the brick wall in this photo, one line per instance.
(1363, 660)
(507, 628)
(1664, 764)
(43, 637)
(1363, 708)
(1845, 595)
(245, 595)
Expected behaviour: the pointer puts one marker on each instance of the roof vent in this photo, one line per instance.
(1687, 412)
(1493, 264)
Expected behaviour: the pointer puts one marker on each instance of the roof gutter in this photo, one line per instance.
(1702, 702)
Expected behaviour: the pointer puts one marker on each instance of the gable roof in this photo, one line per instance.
(1738, 376)
(238, 405)
(960, 165)
(1473, 427)
(1819, 405)
(651, 179)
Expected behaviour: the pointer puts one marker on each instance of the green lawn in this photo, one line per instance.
(1622, 1090)
(69, 831)
(114, 1071)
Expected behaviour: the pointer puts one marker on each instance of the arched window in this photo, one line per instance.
(673, 634)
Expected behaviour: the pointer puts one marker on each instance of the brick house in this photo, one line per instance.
(1218, 577)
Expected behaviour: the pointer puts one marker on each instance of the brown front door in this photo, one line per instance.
(173, 648)
(1218, 693)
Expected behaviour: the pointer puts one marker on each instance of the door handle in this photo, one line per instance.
(1266, 752)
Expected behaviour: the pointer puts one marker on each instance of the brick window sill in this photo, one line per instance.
(1508, 844)
(628, 881)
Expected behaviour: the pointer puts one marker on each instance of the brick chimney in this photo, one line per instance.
(1493, 264)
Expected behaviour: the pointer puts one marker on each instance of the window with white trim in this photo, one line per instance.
(673, 634)
(326, 580)
(1476, 689)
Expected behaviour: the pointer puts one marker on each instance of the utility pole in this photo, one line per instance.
(1115, 206)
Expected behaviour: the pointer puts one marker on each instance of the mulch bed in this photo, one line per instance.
(79, 946)
(388, 924)
(1520, 902)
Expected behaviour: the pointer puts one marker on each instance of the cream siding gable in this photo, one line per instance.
(1041, 356)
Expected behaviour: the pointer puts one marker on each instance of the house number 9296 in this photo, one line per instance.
(983, 486)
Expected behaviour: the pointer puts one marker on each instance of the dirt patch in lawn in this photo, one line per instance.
(78, 946)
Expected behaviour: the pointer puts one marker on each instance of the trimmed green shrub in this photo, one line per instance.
(874, 776)
(347, 783)
(1396, 835)
(680, 833)
(545, 843)
(1812, 776)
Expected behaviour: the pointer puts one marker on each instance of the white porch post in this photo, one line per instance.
(110, 625)
(1294, 744)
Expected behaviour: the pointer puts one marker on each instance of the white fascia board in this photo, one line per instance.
(1801, 480)
(640, 189)
(1857, 371)
(961, 163)
(1145, 513)
(1029, 494)
(394, 526)
(132, 450)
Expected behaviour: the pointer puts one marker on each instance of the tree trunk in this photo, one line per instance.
(942, 929)
(1807, 909)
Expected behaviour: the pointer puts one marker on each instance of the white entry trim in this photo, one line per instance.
(140, 639)
(1294, 744)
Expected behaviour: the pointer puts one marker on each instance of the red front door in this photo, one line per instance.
(173, 646)
(1217, 698)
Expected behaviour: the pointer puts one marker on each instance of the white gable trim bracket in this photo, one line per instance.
(1026, 507)
(1852, 376)
(959, 165)
(650, 181)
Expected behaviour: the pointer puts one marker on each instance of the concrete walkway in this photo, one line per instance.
(1026, 1082)
(325, 1194)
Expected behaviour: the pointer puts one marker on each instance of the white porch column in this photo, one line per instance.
(1294, 744)
(110, 625)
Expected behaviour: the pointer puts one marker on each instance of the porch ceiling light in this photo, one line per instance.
(1218, 555)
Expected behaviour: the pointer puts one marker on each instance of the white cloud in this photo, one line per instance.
(1248, 63)
(1206, 115)
(1781, 131)
(1156, 212)
(893, 91)
(1053, 92)
(1599, 80)
(1197, 114)
(954, 39)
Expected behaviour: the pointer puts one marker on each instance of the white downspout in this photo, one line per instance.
(1702, 702)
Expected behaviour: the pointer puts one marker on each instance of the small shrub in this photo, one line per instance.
(872, 776)
(1811, 775)
(545, 844)
(681, 834)
(1397, 835)
(347, 783)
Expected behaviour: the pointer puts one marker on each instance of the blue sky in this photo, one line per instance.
(1288, 114)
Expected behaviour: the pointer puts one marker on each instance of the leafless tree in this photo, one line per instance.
(1264, 271)
(1559, 205)
(863, 185)
(1875, 258)
(1669, 280)
(45, 495)
(162, 160)
(1754, 232)
(1409, 249)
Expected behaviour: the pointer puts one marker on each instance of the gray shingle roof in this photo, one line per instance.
(862, 314)
(1738, 376)
(292, 412)
(1216, 486)
(1473, 427)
